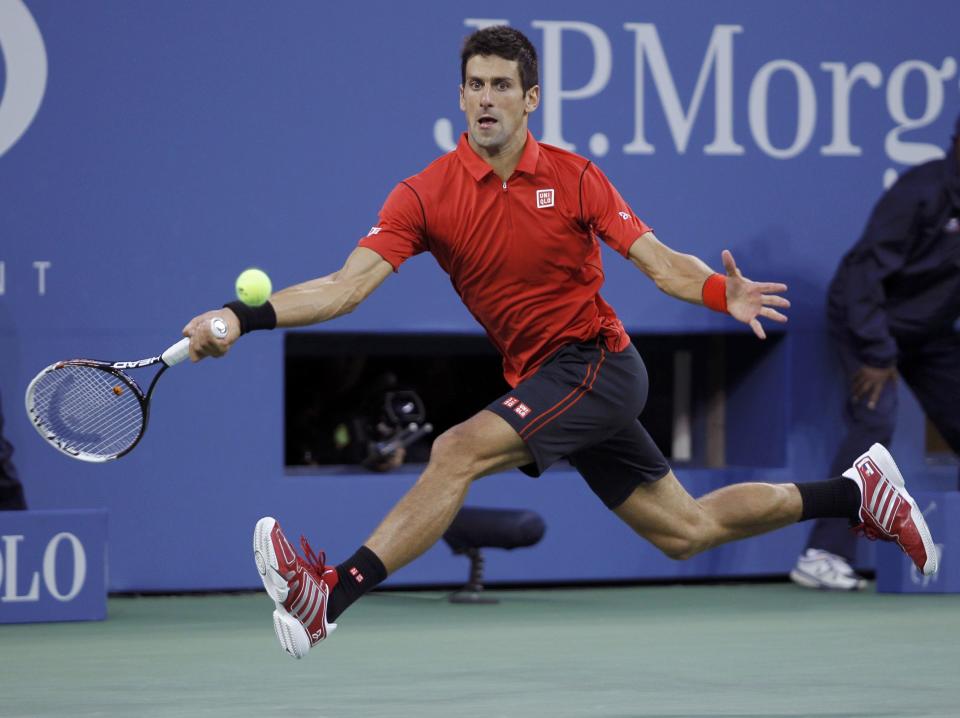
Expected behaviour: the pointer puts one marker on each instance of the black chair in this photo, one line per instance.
(475, 528)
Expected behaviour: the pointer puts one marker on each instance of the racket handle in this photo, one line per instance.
(177, 353)
(181, 350)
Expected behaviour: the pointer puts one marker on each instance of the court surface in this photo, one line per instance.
(738, 650)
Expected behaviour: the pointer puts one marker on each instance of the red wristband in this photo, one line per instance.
(715, 292)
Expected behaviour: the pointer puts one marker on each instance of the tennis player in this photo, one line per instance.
(514, 223)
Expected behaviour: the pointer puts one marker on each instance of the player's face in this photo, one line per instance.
(495, 104)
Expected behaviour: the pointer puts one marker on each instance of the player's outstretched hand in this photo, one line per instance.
(203, 342)
(747, 300)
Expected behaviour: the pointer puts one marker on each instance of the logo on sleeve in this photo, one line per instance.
(544, 198)
(952, 226)
(373, 231)
(625, 216)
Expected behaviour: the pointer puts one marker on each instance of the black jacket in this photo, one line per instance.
(901, 281)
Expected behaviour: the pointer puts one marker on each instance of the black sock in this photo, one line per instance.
(357, 575)
(833, 498)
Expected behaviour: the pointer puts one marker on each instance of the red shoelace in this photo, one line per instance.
(315, 564)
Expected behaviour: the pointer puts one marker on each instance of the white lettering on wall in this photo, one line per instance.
(716, 72)
(719, 57)
(915, 152)
(50, 566)
(758, 108)
(9, 570)
(843, 82)
(25, 60)
(42, 266)
(551, 79)
(10, 593)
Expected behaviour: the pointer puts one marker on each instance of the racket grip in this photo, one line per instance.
(181, 350)
(177, 353)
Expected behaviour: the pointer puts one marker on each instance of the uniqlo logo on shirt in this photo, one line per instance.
(510, 402)
(358, 577)
(544, 198)
(522, 410)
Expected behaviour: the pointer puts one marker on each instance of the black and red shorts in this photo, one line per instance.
(582, 405)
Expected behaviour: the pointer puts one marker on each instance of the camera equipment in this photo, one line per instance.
(401, 422)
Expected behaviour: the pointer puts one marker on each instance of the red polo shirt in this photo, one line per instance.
(522, 254)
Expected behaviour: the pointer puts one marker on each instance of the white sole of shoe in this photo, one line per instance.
(802, 578)
(266, 559)
(291, 633)
(889, 468)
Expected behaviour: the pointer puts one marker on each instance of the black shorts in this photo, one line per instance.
(582, 404)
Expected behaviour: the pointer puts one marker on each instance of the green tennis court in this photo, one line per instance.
(740, 650)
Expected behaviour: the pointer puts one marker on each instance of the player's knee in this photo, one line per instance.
(681, 548)
(689, 540)
(454, 453)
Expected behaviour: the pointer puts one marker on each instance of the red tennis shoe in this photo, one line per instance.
(888, 512)
(300, 588)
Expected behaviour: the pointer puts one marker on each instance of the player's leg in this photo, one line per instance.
(870, 493)
(310, 595)
(681, 526)
(551, 413)
(576, 398)
(630, 475)
(533, 426)
(482, 445)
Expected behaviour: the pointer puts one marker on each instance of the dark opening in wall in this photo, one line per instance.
(338, 385)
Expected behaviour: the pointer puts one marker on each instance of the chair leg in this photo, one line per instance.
(472, 592)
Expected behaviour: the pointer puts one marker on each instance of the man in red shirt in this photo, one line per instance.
(514, 224)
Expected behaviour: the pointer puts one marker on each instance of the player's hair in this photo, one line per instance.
(505, 42)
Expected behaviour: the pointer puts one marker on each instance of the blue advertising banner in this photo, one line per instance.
(150, 151)
(53, 566)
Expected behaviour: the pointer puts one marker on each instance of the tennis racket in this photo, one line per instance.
(94, 410)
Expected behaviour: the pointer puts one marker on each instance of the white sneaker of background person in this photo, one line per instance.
(824, 570)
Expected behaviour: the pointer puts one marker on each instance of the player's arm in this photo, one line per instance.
(686, 277)
(312, 302)
(326, 298)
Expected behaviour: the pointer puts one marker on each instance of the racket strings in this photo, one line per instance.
(88, 410)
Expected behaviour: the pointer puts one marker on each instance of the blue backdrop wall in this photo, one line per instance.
(150, 151)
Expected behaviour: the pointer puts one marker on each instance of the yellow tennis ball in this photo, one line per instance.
(253, 287)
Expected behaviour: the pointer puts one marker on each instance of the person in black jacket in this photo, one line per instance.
(11, 491)
(892, 309)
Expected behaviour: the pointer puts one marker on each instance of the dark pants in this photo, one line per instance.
(11, 492)
(931, 368)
